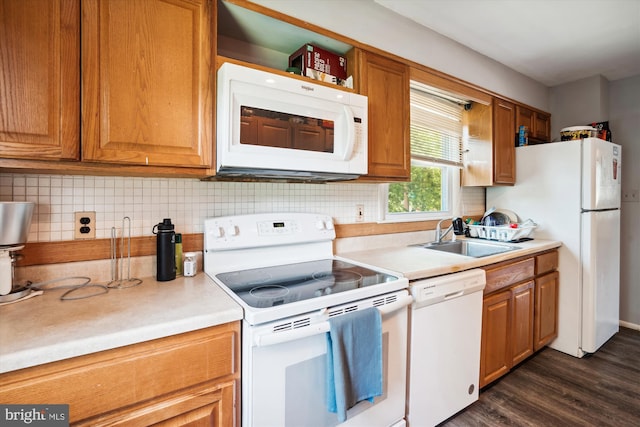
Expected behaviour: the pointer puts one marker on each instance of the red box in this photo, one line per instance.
(310, 57)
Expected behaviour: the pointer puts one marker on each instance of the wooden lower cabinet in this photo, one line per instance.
(187, 379)
(507, 336)
(522, 322)
(546, 309)
(519, 313)
(495, 352)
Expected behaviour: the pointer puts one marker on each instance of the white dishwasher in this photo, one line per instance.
(444, 363)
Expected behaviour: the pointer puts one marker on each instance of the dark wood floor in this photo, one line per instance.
(555, 389)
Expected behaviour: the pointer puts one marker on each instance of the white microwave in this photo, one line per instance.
(277, 127)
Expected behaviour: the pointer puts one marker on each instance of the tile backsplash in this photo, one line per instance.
(146, 201)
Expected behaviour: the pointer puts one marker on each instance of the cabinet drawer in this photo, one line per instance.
(546, 262)
(508, 274)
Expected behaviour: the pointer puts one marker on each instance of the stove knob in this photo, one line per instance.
(320, 225)
(218, 232)
(329, 225)
(232, 230)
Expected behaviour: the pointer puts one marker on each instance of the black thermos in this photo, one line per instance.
(165, 250)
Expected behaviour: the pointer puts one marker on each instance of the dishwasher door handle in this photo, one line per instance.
(271, 338)
(453, 295)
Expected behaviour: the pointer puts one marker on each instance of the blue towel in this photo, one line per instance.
(354, 360)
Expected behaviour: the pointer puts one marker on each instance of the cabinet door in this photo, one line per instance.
(147, 82)
(478, 146)
(504, 168)
(386, 83)
(495, 353)
(39, 79)
(537, 123)
(524, 117)
(542, 127)
(522, 322)
(546, 309)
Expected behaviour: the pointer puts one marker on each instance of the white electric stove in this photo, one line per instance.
(281, 269)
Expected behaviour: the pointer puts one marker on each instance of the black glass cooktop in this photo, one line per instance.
(284, 284)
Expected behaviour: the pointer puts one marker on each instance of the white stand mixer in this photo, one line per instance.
(15, 220)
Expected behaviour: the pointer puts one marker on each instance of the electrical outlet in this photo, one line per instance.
(85, 225)
(359, 213)
(630, 195)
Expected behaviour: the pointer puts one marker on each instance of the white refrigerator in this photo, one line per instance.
(572, 191)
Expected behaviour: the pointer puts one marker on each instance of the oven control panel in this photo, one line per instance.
(274, 228)
(262, 230)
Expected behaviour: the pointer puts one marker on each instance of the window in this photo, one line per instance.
(436, 156)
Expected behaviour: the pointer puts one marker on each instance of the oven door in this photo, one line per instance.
(283, 373)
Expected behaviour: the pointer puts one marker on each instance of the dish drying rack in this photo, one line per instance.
(503, 233)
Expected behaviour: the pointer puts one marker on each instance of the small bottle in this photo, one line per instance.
(165, 251)
(190, 264)
(178, 254)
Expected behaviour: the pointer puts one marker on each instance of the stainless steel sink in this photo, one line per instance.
(470, 248)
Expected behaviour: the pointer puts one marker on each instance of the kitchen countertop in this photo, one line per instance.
(416, 262)
(45, 329)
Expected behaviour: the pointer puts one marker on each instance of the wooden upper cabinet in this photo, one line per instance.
(542, 127)
(39, 79)
(386, 84)
(504, 160)
(147, 82)
(489, 147)
(524, 117)
(538, 123)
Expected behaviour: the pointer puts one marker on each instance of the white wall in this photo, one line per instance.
(624, 119)
(374, 25)
(578, 103)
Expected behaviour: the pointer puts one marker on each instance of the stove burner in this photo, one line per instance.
(270, 291)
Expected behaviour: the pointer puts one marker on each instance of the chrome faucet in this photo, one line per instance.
(439, 234)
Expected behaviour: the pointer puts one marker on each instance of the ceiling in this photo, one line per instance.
(550, 41)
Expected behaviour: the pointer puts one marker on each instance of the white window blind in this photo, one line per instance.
(436, 127)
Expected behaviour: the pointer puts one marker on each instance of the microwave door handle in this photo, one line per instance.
(271, 338)
(351, 133)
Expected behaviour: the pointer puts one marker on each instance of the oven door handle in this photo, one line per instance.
(271, 338)
(396, 305)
